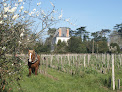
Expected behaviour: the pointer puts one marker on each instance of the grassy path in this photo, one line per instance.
(56, 81)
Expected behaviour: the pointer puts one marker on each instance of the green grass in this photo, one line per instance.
(85, 79)
(61, 82)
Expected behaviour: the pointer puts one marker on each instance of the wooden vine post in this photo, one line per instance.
(120, 60)
(113, 75)
(51, 60)
(84, 60)
(69, 59)
(119, 84)
(88, 58)
(108, 58)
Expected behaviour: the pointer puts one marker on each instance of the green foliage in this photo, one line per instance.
(51, 32)
(10, 72)
(61, 47)
(102, 46)
(40, 48)
(80, 31)
(108, 82)
(90, 71)
(62, 82)
(75, 45)
(89, 46)
(82, 48)
(98, 37)
(72, 33)
(118, 27)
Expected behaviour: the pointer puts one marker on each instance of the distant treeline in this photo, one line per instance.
(104, 41)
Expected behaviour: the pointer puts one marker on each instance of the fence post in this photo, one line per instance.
(120, 60)
(73, 59)
(61, 62)
(57, 58)
(51, 61)
(119, 84)
(84, 60)
(68, 59)
(76, 57)
(47, 62)
(113, 75)
(88, 59)
(108, 58)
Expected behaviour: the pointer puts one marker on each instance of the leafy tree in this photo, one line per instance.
(42, 48)
(98, 36)
(102, 47)
(80, 31)
(118, 28)
(86, 36)
(51, 32)
(103, 32)
(60, 47)
(75, 45)
(72, 33)
(89, 46)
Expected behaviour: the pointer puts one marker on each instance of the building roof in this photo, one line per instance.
(63, 32)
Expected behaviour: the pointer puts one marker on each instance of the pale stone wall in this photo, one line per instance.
(62, 39)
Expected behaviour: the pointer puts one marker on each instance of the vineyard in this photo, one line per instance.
(74, 63)
(73, 73)
(79, 64)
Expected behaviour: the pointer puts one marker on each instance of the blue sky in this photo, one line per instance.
(94, 14)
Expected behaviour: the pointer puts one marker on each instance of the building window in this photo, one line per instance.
(63, 35)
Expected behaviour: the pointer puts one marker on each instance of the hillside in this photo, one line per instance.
(57, 81)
